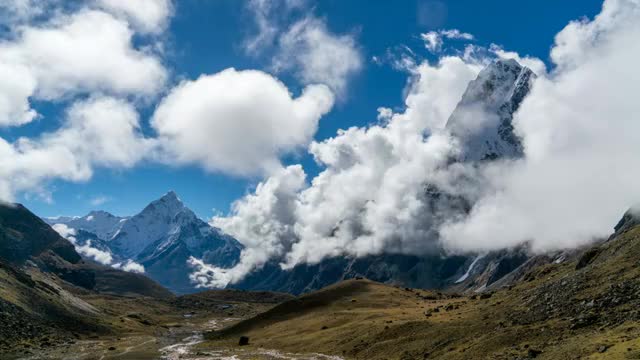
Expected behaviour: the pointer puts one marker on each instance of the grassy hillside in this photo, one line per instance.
(584, 308)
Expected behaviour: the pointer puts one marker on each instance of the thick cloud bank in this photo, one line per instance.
(581, 131)
(238, 122)
(581, 137)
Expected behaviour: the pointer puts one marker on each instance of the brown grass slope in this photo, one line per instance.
(588, 307)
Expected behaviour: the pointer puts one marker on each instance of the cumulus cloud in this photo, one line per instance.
(316, 55)
(100, 131)
(129, 266)
(238, 122)
(264, 222)
(65, 231)
(368, 192)
(80, 53)
(103, 257)
(392, 187)
(581, 134)
(433, 40)
(149, 16)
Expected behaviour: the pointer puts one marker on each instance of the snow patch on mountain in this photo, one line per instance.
(482, 121)
(101, 223)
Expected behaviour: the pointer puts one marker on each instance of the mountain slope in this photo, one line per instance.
(482, 121)
(100, 223)
(584, 307)
(26, 239)
(162, 237)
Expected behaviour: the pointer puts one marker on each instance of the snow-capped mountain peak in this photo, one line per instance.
(162, 237)
(101, 223)
(482, 121)
(158, 219)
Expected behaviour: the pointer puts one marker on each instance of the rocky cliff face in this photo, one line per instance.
(483, 120)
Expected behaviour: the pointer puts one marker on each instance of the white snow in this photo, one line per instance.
(473, 264)
(100, 223)
(477, 119)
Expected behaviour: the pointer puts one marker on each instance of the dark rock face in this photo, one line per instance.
(587, 258)
(483, 120)
(23, 235)
(244, 340)
(416, 271)
(629, 220)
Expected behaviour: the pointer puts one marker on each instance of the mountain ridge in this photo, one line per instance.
(161, 237)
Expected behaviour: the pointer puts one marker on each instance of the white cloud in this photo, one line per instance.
(456, 34)
(82, 53)
(538, 66)
(303, 45)
(87, 51)
(65, 231)
(100, 256)
(263, 222)
(17, 86)
(581, 138)
(367, 199)
(238, 122)
(99, 200)
(18, 11)
(96, 132)
(103, 257)
(316, 55)
(433, 40)
(129, 266)
(149, 16)
(266, 14)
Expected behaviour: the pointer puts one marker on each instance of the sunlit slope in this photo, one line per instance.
(585, 308)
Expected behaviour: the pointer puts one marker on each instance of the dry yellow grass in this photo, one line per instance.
(539, 317)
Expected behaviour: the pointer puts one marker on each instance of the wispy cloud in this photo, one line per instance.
(100, 200)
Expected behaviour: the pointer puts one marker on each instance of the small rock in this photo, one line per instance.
(244, 340)
(532, 353)
(112, 348)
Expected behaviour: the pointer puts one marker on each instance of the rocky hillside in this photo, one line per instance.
(583, 306)
(26, 240)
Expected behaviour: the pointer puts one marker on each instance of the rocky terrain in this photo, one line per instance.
(581, 306)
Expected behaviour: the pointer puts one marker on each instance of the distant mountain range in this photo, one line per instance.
(162, 237)
(165, 234)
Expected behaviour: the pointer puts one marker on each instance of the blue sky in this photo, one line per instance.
(205, 37)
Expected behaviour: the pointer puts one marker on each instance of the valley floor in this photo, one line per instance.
(582, 308)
